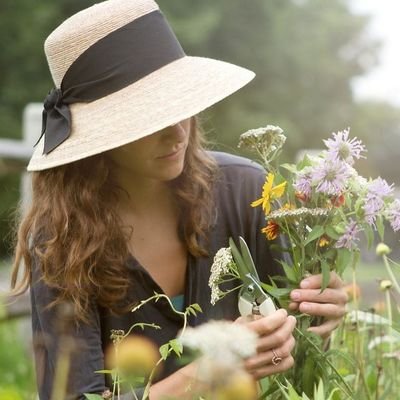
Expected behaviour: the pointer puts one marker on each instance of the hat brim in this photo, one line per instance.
(165, 97)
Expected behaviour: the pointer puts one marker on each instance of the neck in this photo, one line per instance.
(143, 195)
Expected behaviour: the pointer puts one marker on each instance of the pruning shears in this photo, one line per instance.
(252, 298)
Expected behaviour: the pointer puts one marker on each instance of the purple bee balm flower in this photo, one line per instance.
(349, 238)
(393, 215)
(344, 149)
(377, 191)
(330, 177)
(303, 182)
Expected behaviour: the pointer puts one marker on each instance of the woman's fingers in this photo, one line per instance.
(325, 329)
(327, 310)
(334, 296)
(329, 303)
(315, 281)
(274, 345)
(279, 337)
(267, 325)
(266, 357)
(272, 369)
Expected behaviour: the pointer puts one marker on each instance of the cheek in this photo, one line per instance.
(132, 156)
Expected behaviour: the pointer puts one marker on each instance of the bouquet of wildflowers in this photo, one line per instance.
(321, 205)
(316, 213)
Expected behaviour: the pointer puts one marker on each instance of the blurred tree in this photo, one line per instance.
(378, 125)
(305, 54)
(24, 77)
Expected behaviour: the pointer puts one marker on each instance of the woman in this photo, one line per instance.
(126, 201)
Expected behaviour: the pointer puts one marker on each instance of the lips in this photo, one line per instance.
(172, 153)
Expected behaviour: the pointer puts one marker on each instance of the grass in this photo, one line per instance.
(16, 367)
(17, 380)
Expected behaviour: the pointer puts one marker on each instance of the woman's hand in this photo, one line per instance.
(274, 346)
(330, 304)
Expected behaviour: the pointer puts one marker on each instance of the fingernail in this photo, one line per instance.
(283, 311)
(295, 295)
(305, 284)
(305, 307)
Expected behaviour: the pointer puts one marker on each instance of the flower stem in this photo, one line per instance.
(391, 274)
(390, 318)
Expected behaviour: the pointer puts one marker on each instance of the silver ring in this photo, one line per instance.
(276, 360)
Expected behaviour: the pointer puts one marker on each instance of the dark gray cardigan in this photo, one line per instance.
(239, 183)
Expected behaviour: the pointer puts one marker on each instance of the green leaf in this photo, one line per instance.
(274, 291)
(293, 395)
(380, 227)
(289, 167)
(189, 310)
(93, 396)
(164, 351)
(105, 371)
(305, 162)
(289, 272)
(309, 377)
(341, 228)
(237, 257)
(369, 235)
(343, 260)
(319, 391)
(176, 346)
(316, 232)
(326, 274)
(246, 256)
(136, 381)
(196, 307)
(332, 232)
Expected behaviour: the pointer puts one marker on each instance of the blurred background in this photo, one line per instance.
(321, 65)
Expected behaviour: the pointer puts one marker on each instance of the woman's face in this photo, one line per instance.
(160, 156)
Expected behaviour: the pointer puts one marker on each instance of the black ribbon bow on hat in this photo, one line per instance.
(92, 75)
(56, 121)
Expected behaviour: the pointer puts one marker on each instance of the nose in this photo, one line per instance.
(175, 133)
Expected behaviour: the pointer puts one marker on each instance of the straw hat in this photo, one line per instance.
(165, 96)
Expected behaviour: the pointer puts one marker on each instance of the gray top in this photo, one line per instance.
(239, 183)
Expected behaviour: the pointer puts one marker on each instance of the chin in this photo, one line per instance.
(172, 174)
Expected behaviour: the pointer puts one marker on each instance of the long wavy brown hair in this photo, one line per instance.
(73, 234)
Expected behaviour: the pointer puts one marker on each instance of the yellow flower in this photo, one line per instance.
(288, 206)
(269, 193)
(323, 241)
(240, 386)
(135, 356)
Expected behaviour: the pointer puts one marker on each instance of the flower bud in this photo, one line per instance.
(353, 291)
(385, 284)
(379, 307)
(382, 249)
(136, 356)
(241, 386)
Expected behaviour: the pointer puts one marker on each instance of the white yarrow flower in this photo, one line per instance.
(222, 342)
(267, 141)
(297, 213)
(221, 266)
